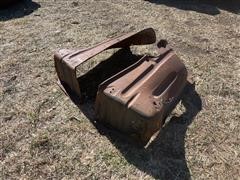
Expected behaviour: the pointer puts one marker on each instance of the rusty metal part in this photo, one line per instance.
(66, 61)
(136, 100)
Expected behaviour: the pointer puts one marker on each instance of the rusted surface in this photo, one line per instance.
(66, 61)
(136, 100)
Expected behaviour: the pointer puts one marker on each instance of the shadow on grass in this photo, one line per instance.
(211, 7)
(165, 157)
(18, 9)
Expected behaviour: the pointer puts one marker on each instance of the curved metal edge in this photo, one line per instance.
(66, 61)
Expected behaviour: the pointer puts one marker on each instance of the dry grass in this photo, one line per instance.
(44, 135)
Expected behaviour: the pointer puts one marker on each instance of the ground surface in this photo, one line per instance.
(44, 135)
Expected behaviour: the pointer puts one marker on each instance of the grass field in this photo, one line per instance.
(44, 135)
